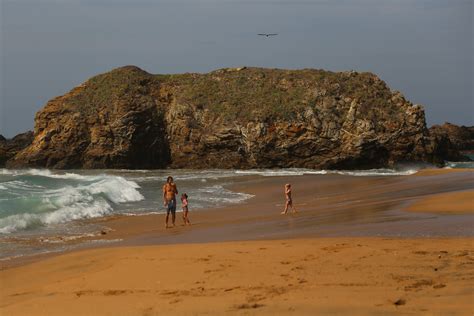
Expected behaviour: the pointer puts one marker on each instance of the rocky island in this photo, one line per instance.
(231, 118)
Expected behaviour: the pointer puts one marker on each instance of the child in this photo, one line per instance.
(184, 201)
(289, 200)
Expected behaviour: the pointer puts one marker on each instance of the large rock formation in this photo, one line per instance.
(10, 147)
(230, 118)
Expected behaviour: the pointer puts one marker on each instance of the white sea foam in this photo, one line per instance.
(279, 172)
(184, 175)
(459, 164)
(85, 197)
(18, 172)
(103, 241)
(46, 173)
(63, 239)
(74, 211)
(117, 189)
(301, 172)
(218, 195)
(19, 186)
(217, 174)
(16, 222)
(142, 213)
(376, 172)
(12, 257)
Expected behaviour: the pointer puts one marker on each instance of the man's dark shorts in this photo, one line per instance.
(171, 207)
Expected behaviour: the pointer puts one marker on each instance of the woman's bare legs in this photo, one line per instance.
(288, 204)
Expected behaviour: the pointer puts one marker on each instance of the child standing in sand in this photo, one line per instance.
(184, 201)
(289, 200)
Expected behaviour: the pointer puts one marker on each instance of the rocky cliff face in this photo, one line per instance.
(459, 139)
(10, 147)
(230, 118)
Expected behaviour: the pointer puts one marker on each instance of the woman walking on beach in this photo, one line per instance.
(169, 199)
(289, 200)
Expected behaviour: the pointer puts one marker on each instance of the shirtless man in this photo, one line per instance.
(289, 200)
(169, 199)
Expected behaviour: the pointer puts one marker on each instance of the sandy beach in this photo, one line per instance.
(350, 276)
(357, 246)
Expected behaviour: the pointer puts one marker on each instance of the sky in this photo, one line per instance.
(423, 48)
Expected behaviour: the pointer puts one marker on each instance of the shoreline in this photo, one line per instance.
(330, 206)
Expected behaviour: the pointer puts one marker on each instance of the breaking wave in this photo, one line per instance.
(34, 198)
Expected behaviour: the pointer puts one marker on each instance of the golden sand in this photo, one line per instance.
(351, 276)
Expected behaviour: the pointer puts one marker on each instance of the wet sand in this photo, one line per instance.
(338, 254)
(327, 205)
(446, 203)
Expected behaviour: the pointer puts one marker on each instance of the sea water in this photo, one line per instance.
(40, 203)
(461, 164)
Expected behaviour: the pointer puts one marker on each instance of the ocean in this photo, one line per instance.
(43, 204)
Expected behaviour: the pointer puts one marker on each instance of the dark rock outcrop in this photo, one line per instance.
(456, 139)
(10, 147)
(230, 118)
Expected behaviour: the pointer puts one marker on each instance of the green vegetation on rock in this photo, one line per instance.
(230, 118)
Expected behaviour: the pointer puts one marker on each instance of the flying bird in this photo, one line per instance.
(267, 34)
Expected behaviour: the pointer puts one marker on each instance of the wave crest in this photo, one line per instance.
(32, 201)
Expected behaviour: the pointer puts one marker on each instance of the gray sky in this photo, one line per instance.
(424, 48)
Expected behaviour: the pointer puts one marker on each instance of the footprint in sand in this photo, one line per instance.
(309, 258)
(116, 292)
(248, 306)
(462, 253)
(400, 302)
(297, 268)
(177, 300)
(85, 292)
(418, 285)
(202, 259)
(231, 289)
(255, 298)
(148, 311)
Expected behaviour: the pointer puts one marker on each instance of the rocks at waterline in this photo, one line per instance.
(10, 147)
(459, 140)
